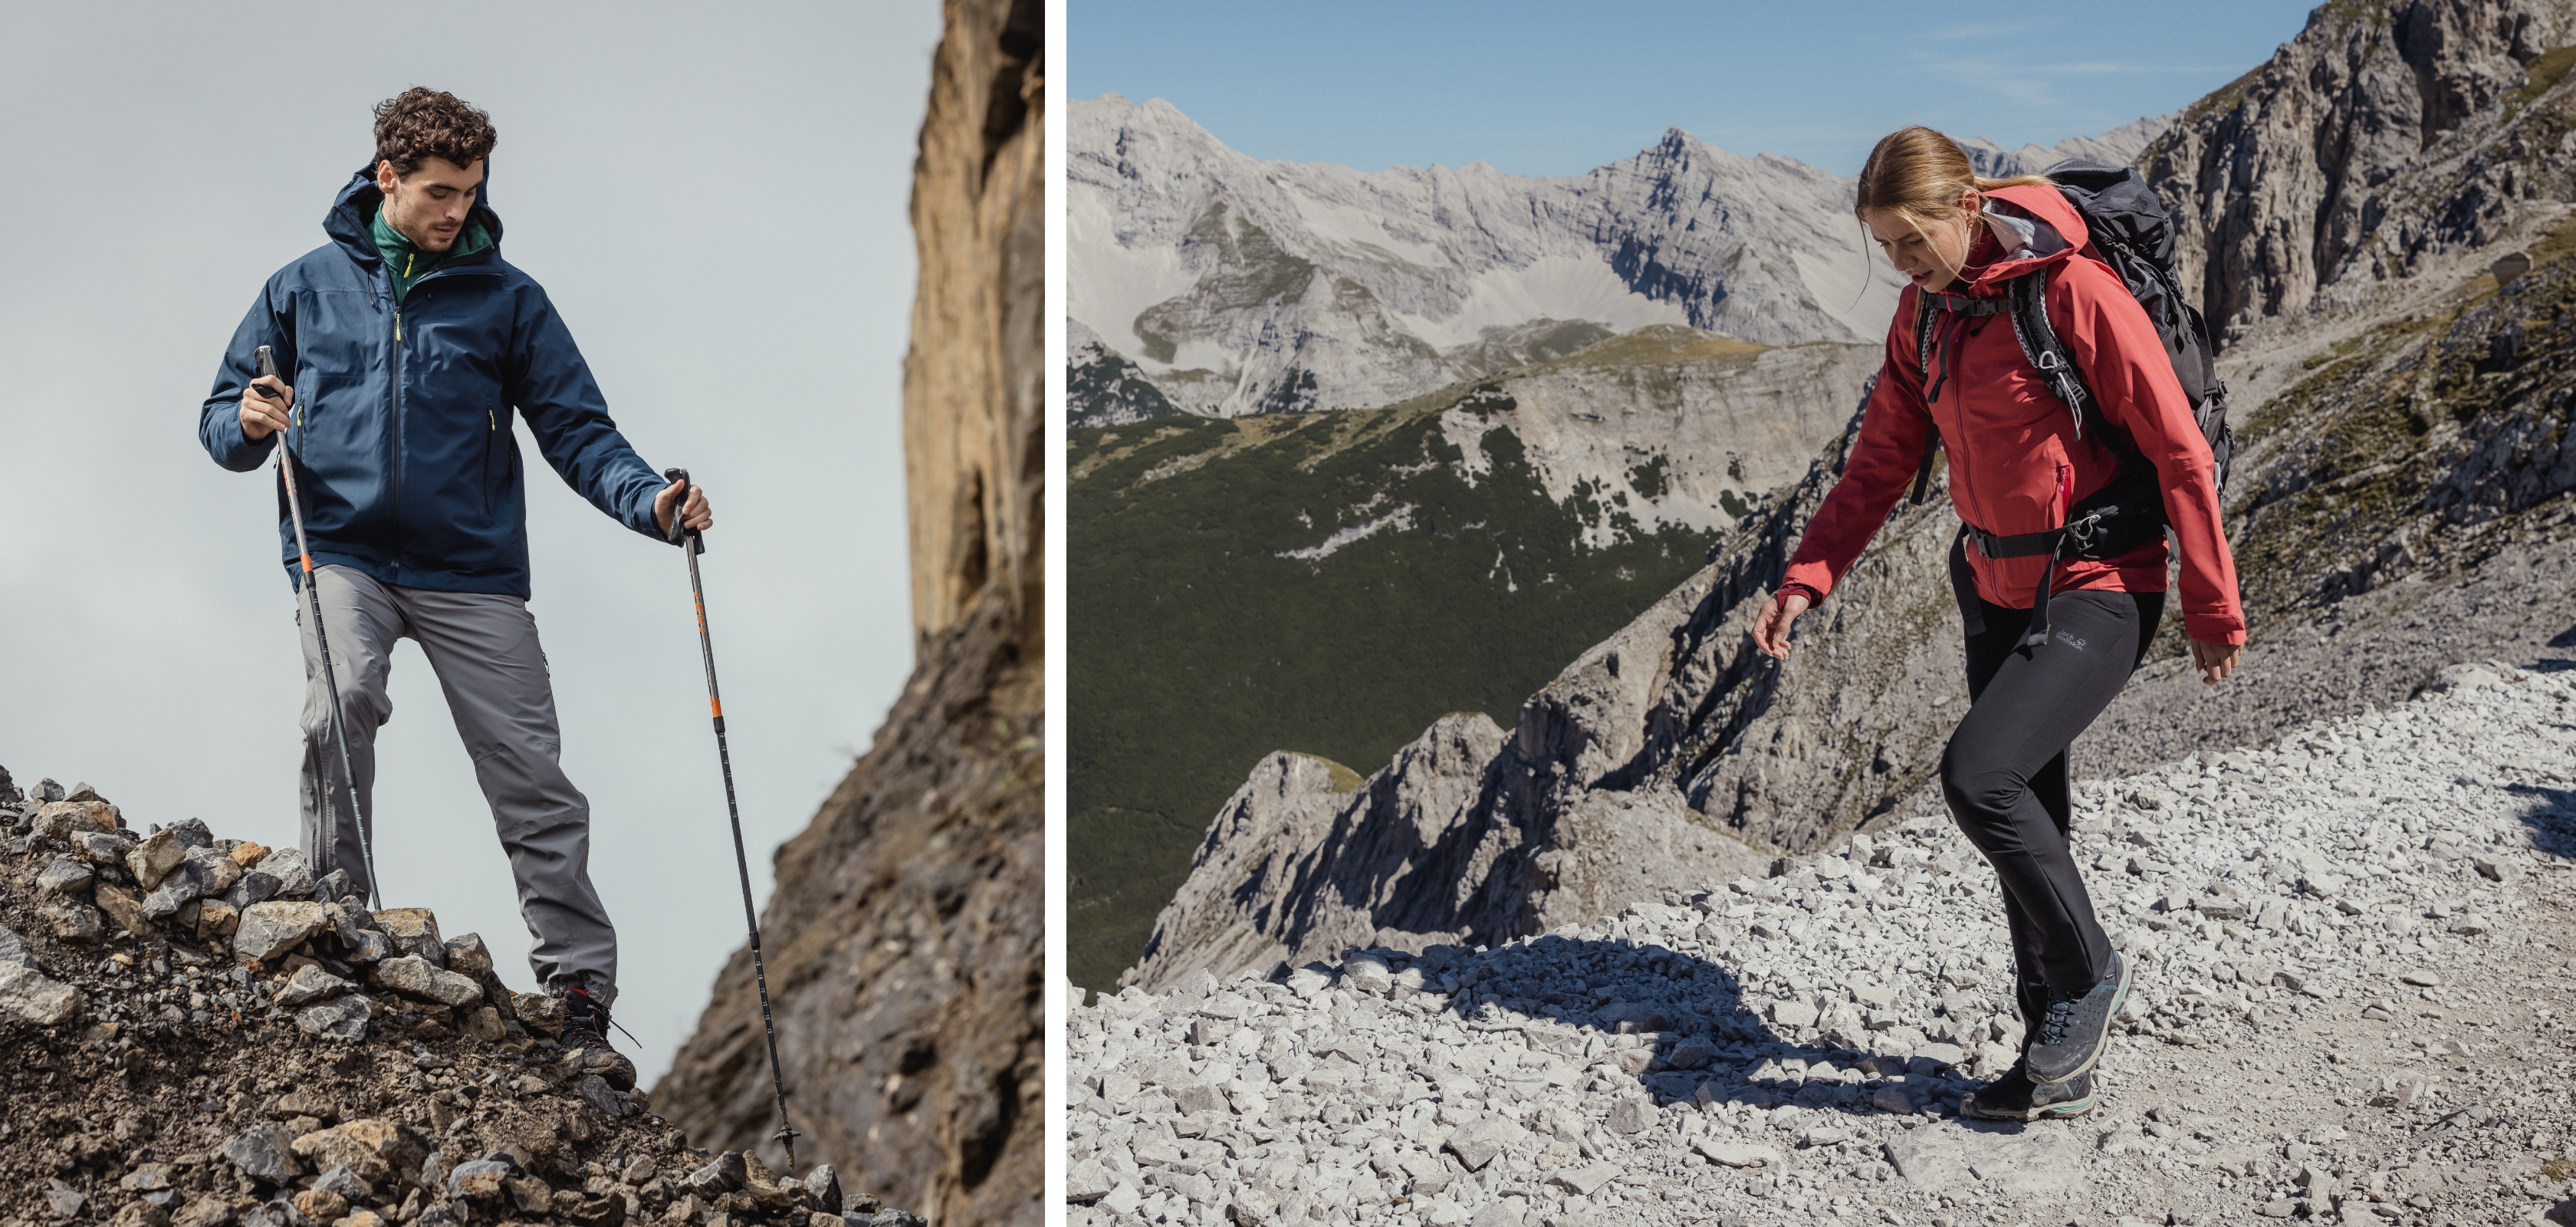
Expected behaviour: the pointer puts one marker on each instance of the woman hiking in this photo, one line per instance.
(2020, 460)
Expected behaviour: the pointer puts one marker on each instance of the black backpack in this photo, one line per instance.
(2128, 227)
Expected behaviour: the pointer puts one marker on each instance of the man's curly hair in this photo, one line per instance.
(426, 123)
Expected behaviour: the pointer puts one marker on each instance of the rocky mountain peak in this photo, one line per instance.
(2387, 139)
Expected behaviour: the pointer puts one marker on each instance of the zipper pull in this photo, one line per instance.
(397, 323)
(495, 422)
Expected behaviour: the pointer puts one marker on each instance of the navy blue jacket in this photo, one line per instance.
(402, 442)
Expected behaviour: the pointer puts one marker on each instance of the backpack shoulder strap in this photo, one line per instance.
(2056, 364)
(2041, 345)
(1922, 334)
(1923, 372)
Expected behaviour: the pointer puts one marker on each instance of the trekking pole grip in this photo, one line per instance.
(680, 533)
(267, 358)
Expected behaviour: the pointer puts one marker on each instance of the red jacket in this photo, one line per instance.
(2015, 462)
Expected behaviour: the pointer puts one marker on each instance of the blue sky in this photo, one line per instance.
(1557, 89)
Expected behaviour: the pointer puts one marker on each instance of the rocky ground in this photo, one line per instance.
(199, 1031)
(2353, 953)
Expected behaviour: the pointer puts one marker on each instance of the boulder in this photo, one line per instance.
(254, 887)
(13, 950)
(32, 996)
(155, 857)
(74, 922)
(293, 872)
(213, 871)
(60, 820)
(269, 929)
(122, 907)
(541, 1013)
(310, 983)
(216, 919)
(264, 1154)
(479, 1180)
(103, 847)
(414, 931)
(67, 875)
(342, 1018)
(414, 977)
(466, 955)
(373, 1150)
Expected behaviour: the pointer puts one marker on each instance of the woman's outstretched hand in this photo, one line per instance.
(1771, 626)
(2215, 660)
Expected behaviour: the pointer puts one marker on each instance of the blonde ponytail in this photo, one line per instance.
(1918, 175)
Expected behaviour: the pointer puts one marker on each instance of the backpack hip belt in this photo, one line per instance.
(2099, 528)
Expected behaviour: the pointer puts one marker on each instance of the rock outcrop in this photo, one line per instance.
(904, 942)
(2340, 946)
(2386, 138)
(200, 1031)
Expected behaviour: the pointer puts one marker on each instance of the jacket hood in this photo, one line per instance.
(2045, 209)
(354, 210)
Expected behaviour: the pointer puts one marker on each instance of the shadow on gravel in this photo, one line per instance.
(1706, 1045)
(2551, 817)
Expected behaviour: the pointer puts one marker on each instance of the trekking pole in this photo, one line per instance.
(691, 545)
(313, 601)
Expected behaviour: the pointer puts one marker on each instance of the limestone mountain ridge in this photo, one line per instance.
(1204, 281)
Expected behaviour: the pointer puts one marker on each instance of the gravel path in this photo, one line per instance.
(2352, 1005)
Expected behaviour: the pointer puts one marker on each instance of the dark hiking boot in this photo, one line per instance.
(585, 1041)
(2077, 1027)
(2015, 1097)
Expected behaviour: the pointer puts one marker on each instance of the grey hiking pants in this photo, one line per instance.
(489, 665)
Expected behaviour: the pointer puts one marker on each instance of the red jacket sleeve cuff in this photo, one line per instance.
(2209, 628)
(1814, 598)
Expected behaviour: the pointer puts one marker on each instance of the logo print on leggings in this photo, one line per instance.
(2070, 641)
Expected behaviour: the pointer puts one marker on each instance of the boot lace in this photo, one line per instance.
(2060, 1017)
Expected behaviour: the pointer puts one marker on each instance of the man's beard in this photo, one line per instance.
(429, 240)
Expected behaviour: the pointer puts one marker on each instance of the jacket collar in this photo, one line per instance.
(2045, 207)
(353, 213)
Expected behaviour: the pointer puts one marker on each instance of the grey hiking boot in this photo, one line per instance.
(2015, 1097)
(585, 1041)
(2077, 1027)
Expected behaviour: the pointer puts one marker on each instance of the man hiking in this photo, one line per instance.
(406, 344)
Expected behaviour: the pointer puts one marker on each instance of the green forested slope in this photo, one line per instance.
(1196, 647)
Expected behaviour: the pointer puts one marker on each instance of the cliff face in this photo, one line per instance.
(904, 943)
(2384, 136)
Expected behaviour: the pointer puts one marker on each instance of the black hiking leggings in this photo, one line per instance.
(2005, 777)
